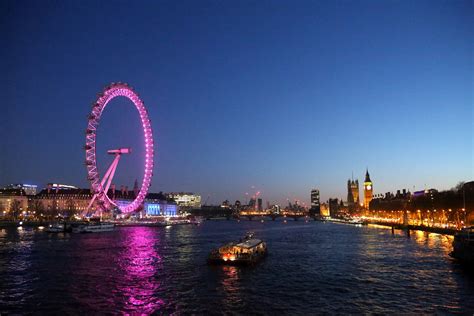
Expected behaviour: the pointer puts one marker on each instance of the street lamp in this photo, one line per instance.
(464, 201)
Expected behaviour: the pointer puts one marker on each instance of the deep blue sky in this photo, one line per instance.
(280, 95)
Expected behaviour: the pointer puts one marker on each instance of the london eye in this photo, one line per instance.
(99, 186)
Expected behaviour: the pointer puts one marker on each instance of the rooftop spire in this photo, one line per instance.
(367, 176)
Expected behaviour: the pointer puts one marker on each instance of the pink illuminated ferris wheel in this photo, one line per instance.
(101, 187)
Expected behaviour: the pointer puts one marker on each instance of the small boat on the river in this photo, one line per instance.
(463, 246)
(56, 228)
(95, 227)
(246, 251)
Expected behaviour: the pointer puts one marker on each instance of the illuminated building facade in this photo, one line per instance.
(13, 202)
(157, 204)
(315, 202)
(29, 189)
(451, 208)
(60, 186)
(368, 190)
(186, 199)
(160, 209)
(353, 194)
(67, 200)
(333, 205)
(324, 209)
(252, 203)
(64, 200)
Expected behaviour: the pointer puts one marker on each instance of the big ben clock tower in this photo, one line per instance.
(368, 190)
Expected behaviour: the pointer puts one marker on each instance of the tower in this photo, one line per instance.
(315, 205)
(353, 199)
(350, 196)
(368, 190)
(135, 188)
(355, 191)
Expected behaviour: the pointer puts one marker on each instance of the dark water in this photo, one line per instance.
(312, 268)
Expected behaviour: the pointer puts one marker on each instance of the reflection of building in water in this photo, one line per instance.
(432, 240)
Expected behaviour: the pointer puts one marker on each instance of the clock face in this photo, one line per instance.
(369, 187)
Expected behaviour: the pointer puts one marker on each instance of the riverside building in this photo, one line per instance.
(368, 190)
(13, 202)
(315, 202)
(29, 189)
(186, 199)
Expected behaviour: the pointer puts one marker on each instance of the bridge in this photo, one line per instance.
(295, 215)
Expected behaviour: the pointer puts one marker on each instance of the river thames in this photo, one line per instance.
(311, 268)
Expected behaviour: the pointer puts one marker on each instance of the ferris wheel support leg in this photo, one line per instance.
(112, 173)
(112, 166)
(109, 174)
(90, 204)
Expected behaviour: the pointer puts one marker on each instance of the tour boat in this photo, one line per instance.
(463, 246)
(197, 220)
(56, 228)
(94, 227)
(246, 251)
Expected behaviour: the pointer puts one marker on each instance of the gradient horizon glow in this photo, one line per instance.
(111, 92)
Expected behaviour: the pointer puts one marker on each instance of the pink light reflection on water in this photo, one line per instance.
(139, 262)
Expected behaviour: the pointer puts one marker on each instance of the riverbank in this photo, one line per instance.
(5, 224)
(437, 230)
(22, 223)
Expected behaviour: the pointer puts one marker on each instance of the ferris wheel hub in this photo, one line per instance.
(119, 151)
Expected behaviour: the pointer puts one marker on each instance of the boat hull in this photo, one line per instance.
(93, 228)
(463, 246)
(463, 251)
(98, 228)
(217, 260)
(56, 228)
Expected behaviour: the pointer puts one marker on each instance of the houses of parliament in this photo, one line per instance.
(353, 199)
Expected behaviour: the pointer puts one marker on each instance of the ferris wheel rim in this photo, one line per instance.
(110, 92)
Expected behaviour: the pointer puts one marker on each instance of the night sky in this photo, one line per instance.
(275, 96)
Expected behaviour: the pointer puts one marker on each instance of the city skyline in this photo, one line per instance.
(283, 98)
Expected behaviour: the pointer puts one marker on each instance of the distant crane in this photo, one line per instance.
(207, 199)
